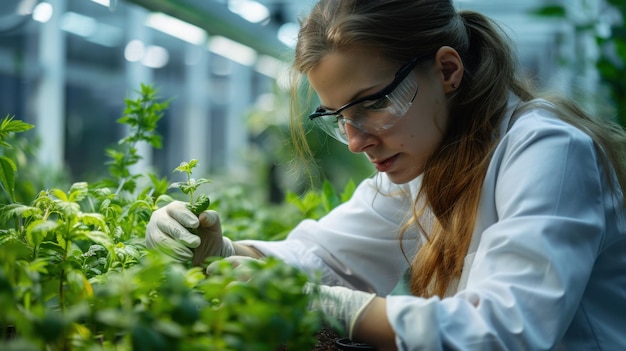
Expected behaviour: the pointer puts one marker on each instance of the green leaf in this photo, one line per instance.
(330, 198)
(99, 237)
(13, 249)
(140, 205)
(59, 194)
(200, 205)
(186, 188)
(160, 185)
(183, 168)
(7, 175)
(201, 181)
(11, 125)
(95, 219)
(10, 211)
(78, 191)
(39, 265)
(37, 230)
(54, 248)
(163, 200)
(155, 141)
(69, 210)
(348, 191)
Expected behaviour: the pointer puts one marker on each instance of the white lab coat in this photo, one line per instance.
(546, 268)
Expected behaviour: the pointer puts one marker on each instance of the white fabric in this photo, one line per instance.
(343, 304)
(357, 244)
(553, 238)
(549, 267)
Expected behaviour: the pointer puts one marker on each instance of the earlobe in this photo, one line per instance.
(450, 66)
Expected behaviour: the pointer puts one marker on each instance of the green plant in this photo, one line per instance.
(7, 165)
(198, 204)
(315, 204)
(75, 274)
(611, 64)
(141, 115)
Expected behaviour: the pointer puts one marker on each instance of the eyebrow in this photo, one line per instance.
(358, 95)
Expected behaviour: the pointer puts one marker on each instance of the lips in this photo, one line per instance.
(385, 165)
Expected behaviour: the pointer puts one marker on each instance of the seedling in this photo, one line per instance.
(198, 204)
(75, 273)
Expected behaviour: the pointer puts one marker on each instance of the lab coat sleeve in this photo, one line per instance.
(355, 245)
(532, 265)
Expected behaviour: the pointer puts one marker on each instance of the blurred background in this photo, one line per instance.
(66, 66)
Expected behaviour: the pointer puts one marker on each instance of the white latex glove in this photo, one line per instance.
(169, 230)
(343, 304)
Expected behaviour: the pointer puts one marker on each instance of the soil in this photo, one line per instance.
(328, 341)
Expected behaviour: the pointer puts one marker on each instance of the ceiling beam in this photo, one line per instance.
(216, 19)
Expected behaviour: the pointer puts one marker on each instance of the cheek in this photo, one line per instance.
(422, 136)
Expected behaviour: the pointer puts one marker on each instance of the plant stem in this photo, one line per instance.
(190, 188)
(11, 200)
(62, 278)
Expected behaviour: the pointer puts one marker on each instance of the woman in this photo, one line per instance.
(509, 208)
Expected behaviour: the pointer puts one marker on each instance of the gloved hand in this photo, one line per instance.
(343, 304)
(169, 230)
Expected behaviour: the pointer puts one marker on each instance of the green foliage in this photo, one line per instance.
(8, 126)
(75, 274)
(141, 116)
(202, 202)
(612, 61)
(315, 204)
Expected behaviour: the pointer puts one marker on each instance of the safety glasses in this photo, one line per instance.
(374, 113)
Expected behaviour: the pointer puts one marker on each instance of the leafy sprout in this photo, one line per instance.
(198, 204)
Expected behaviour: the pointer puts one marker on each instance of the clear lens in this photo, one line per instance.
(374, 116)
(333, 126)
(401, 98)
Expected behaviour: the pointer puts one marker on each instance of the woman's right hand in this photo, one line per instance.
(169, 230)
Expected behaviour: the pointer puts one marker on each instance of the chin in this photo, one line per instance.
(401, 178)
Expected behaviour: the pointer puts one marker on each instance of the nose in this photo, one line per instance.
(358, 140)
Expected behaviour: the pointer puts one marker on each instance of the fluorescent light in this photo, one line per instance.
(288, 34)
(134, 51)
(78, 24)
(105, 3)
(232, 50)
(176, 28)
(152, 56)
(43, 12)
(249, 10)
(156, 57)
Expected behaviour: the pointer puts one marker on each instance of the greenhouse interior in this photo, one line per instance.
(67, 67)
(223, 71)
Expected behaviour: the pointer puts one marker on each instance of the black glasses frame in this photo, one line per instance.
(402, 73)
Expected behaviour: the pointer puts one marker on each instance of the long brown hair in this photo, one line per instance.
(454, 173)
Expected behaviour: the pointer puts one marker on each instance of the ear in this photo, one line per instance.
(450, 66)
